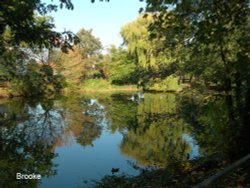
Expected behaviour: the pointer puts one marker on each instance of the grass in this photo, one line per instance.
(95, 85)
(91, 85)
(101, 85)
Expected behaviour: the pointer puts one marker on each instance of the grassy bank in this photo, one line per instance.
(95, 85)
(101, 85)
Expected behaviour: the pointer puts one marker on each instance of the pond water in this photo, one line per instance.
(73, 141)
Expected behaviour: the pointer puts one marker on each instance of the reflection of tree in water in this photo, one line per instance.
(120, 111)
(217, 132)
(156, 145)
(30, 131)
(27, 142)
(89, 134)
(153, 133)
(84, 118)
(43, 126)
(12, 113)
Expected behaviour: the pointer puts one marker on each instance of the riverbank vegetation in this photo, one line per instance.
(161, 51)
(47, 71)
(199, 48)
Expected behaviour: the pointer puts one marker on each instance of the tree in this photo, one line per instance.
(89, 44)
(70, 65)
(19, 17)
(121, 67)
(154, 63)
(82, 61)
(90, 47)
(24, 36)
(216, 36)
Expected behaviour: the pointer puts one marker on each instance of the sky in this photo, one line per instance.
(104, 18)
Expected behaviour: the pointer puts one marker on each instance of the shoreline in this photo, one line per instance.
(4, 94)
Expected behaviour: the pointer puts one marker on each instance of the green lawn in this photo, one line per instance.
(93, 85)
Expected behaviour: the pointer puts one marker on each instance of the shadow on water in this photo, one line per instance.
(217, 131)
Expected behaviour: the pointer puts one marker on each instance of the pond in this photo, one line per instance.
(72, 141)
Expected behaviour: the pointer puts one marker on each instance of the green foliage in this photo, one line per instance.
(89, 44)
(90, 48)
(121, 68)
(26, 77)
(25, 30)
(28, 28)
(37, 80)
(104, 85)
(135, 36)
(210, 40)
(214, 38)
(168, 84)
(82, 62)
(22, 62)
(154, 63)
(70, 65)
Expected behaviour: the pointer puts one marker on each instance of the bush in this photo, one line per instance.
(38, 80)
(168, 84)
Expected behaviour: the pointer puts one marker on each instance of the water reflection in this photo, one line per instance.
(213, 126)
(84, 118)
(153, 134)
(151, 130)
(27, 135)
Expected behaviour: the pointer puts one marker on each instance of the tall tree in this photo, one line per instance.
(82, 61)
(90, 47)
(217, 36)
(89, 44)
(154, 63)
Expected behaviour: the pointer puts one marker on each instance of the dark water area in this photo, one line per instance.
(73, 141)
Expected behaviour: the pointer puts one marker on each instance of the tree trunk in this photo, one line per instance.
(238, 97)
(247, 106)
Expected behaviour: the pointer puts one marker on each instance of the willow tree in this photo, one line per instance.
(153, 62)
